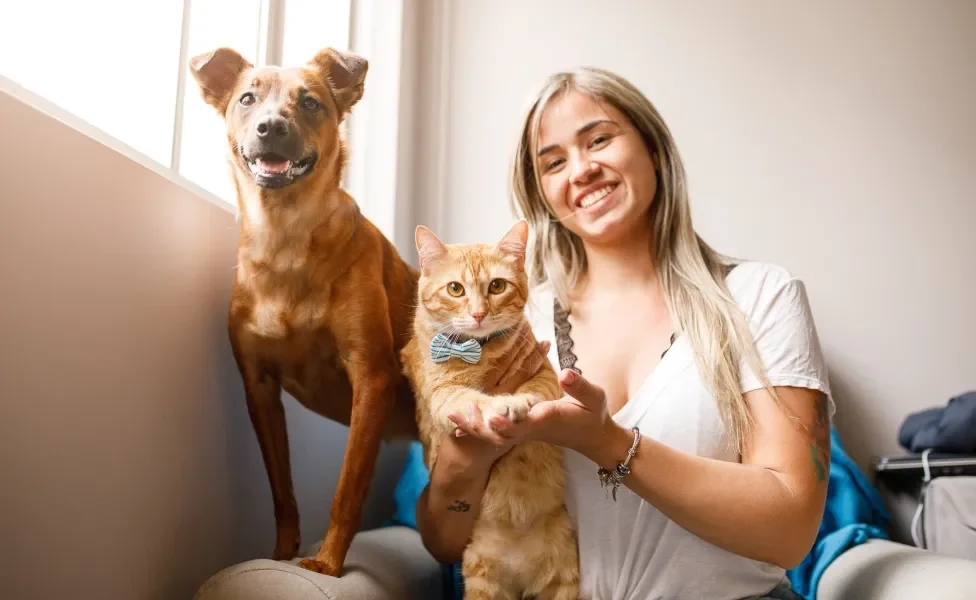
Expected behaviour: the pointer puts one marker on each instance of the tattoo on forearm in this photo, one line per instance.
(820, 448)
(459, 506)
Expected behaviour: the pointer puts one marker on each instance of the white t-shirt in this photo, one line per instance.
(628, 549)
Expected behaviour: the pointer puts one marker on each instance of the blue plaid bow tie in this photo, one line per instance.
(442, 348)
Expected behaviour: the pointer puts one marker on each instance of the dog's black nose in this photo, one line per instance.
(272, 126)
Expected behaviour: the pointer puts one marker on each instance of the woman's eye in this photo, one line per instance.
(497, 286)
(247, 99)
(553, 164)
(600, 139)
(310, 103)
(455, 289)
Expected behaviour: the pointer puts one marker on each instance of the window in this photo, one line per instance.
(120, 79)
(121, 65)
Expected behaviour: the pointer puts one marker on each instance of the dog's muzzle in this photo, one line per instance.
(274, 155)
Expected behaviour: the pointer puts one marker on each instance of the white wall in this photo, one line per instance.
(128, 465)
(835, 138)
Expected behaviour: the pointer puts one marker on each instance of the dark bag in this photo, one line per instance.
(951, 429)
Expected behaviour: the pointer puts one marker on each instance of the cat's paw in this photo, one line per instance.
(514, 407)
(464, 405)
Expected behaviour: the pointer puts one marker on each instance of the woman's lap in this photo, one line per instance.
(783, 592)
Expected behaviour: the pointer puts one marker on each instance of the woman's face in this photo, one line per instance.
(596, 172)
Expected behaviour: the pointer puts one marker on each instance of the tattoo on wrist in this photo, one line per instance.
(459, 506)
(820, 448)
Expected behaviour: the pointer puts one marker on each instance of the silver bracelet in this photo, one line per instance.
(613, 478)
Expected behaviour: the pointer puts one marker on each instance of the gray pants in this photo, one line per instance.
(782, 592)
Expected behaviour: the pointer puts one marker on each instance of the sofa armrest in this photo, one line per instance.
(885, 570)
(383, 564)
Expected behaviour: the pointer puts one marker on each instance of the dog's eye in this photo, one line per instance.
(310, 103)
(247, 99)
(455, 289)
(497, 286)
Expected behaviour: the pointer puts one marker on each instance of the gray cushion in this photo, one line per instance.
(884, 570)
(382, 564)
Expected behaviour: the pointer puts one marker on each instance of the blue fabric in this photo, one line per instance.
(411, 484)
(854, 513)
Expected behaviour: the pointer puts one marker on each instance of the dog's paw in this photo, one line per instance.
(287, 543)
(513, 407)
(313, 564)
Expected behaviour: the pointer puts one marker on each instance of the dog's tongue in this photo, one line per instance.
(273, 166)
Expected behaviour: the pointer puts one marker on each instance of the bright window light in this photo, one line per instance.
(203, 148)
(311, 25)
(117, 65)
(113, 63)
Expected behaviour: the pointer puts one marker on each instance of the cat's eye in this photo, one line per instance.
(497, 286)
(455, 289)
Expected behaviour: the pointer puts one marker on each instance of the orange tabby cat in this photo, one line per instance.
(469, 298)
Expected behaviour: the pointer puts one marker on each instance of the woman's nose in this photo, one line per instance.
(584, 169)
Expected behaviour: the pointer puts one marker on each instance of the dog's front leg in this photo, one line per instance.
(263, 391)
(373, 372)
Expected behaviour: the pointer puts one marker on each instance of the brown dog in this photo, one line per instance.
(322, 302)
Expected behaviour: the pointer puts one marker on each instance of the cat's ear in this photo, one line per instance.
(429, 247)
(514, 242)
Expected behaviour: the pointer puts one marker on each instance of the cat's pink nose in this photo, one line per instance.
(478, 317)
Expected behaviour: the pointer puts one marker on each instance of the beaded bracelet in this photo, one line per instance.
(614, 477)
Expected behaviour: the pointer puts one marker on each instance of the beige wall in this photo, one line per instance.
(835, 138)
(128, 466)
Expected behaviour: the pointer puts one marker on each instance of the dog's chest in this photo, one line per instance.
(277, 317)
(282, 306)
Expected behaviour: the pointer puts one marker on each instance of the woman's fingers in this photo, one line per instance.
(473, 424)
(581, 389)
(539, 355)
(500, 423)
(513, 360)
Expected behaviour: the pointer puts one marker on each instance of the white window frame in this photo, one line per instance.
(373, 177)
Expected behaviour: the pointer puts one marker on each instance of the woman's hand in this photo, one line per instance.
(518, 366)
(580, 420)
(506, 377)
(473, 446)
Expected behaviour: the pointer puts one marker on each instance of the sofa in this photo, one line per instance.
(391, 563)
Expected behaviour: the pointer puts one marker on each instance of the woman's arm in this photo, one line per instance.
(450, 504)
(767, 508)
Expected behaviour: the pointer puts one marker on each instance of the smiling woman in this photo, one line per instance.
(697, 406)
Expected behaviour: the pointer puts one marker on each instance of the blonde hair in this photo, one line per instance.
(691, 274)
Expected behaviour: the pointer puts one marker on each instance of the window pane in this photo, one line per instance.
(113, 63)
(203, 151)
(311, 25)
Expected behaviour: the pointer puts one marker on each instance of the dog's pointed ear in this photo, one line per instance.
(430, 248)
(346, 74)
(216, 73)
(514, 242)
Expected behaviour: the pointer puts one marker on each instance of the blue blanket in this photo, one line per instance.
(854, 513)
